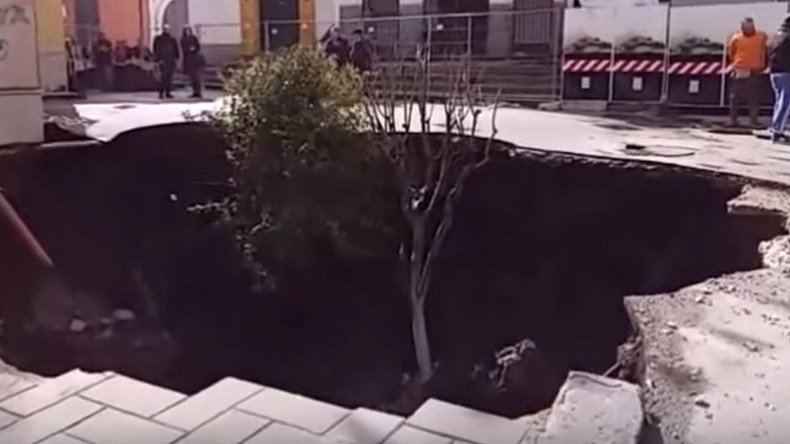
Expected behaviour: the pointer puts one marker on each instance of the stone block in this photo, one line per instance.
(305, 413)
(51, 392)
(592, 409)
(208, 403)
(365, 426)
(7, 419)
(114, 427)
(282, 434)
(133, 396)
(61, 438)
(232, 427)
(410, 435)
(465, 424)
(11, 385)
(49, 421)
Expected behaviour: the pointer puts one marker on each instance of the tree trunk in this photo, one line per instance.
(422, 348)
(419, 330)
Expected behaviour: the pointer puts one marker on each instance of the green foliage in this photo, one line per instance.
(303, 172)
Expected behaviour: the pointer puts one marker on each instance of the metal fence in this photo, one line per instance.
(495, 34)
(517, 51)
(659, 54)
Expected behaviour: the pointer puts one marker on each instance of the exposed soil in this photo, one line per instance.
(545, 248)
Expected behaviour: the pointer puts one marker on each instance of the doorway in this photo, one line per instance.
(451, 35)
(279, 23)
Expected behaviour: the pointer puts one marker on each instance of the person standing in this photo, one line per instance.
(361, 53)
(779, 62)
(166, 56)
(746, 50)
(193, 61)
(102, 58)
(337, 46)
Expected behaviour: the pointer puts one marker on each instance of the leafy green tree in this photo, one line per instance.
(301, 169)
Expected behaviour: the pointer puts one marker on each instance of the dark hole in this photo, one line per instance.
(545, 248)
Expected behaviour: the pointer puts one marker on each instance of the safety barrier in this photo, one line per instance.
(658, 53)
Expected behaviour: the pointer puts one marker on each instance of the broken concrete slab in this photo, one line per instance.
(722, 377)
(593, 409)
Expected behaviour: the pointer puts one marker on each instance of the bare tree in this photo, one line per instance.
(432, 165)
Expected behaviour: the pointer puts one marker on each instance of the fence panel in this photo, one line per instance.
(658, 54)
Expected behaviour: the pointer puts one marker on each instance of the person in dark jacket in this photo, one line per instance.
(779, 63)
(102, 59)
(337, 46)
(193, 61)
(361, 53)
(166, 56)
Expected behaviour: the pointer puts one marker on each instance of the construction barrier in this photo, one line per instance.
(696, 80)
(637, 77)
(586, 77)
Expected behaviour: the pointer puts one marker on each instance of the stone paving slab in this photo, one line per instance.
(133, 396)
(314, 416)
(62, 438)
(114, 427)
(51, 391)
(208, 403)
(466, 424)
(282, 434)
(411, 435)
(48, 421)
(364, 426)
(11, 385)
(232, 427)
(7, 419)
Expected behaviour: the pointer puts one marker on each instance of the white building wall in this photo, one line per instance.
(216, 21)
(21, 106)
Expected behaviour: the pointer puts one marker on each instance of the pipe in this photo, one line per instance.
(19, 235)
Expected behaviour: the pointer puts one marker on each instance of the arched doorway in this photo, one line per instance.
(176, 16)
(173, 12)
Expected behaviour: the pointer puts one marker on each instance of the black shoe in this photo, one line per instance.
(168, 96)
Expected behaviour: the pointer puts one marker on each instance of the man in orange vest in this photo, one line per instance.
(747, 53)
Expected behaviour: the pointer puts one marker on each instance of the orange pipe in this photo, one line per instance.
(17, 242)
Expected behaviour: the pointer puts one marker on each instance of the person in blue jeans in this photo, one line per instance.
(779, 63)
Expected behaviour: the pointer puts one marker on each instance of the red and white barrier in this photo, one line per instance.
(647, 67)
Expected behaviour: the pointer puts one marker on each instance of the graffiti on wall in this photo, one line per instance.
(18, 54)
(11, 15)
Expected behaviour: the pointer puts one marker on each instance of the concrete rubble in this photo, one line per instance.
(720, 376)
(592, 409)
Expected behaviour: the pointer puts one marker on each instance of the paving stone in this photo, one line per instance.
(208, 403)
(133, 396)
(11, 385)
(314, 416)
(364, 426)
(48, 422)
(114, 427)
(410, 435)
(283, 434)
(592, 409)
(231, 427)
(6, 419)
(465, 424)
(62, 438)
(51, 391)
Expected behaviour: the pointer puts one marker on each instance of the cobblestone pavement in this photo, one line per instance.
(107, 408)
(105, 117)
